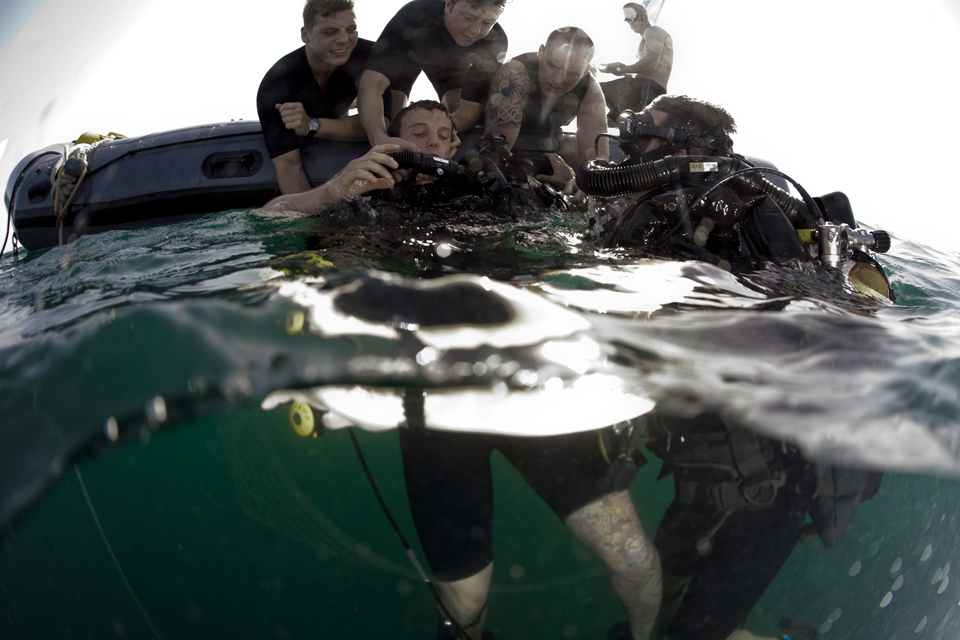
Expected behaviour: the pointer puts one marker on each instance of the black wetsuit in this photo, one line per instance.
(450, 487)
(541, 130)
(746, 227)
(292, 80)
(448, 475)
(416, 40)
(741, 499)
(730, 547)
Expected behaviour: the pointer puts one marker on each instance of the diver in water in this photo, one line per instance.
(646, 78)
(583, 477)
(741, 499)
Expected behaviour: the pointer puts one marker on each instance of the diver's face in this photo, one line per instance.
(656, 117)
(332, 38)
(431, 130)
(467, 24)
(561, 67)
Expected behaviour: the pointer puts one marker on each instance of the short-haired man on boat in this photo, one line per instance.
(448, 475)
(307, 94)
(646, 78)
(535, 94)
(440, 38)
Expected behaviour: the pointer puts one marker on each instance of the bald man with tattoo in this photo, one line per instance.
(535, 94)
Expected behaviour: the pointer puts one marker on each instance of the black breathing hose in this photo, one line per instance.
(596, 178)
(752, 177)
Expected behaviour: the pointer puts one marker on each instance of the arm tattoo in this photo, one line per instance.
(508, 96)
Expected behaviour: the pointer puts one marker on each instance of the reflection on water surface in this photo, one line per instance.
(231, 523)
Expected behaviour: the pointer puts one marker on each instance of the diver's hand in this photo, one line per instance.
(369, 172)
(615, 68)
(564, 178)
(294, 117)
(366, 173)
(562, 175)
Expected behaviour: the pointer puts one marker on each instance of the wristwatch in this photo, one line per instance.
(313, 126)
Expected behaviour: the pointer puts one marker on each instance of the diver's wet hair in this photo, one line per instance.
(427, 105)
(698, 119)
(572, 36)
(314, 9)
(476, 4)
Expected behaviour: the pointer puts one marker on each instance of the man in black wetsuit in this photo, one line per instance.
(448, 475)
(741, 499)
(307, 94)
(535, 94)
(441, 38)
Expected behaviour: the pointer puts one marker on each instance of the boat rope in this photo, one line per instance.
(68, 181)
(457, 627)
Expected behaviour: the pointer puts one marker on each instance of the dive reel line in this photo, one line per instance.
(305, 425)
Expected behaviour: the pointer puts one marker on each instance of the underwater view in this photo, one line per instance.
(135, 365)
(232, 424)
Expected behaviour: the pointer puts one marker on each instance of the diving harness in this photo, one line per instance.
(824, 225)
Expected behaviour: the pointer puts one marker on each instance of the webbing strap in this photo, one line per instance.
(413, 408)
(757, 486)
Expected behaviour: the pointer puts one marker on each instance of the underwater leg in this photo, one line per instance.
(611, 529)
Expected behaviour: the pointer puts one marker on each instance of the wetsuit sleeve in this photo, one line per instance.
(390, 53)
(476, 85)
(486, 56)
(274, 89)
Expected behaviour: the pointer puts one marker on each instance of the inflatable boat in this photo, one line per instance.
(156, 179)
(160, 178)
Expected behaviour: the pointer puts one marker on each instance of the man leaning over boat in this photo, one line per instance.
(308, 93)
(535, 94)
(441, 38)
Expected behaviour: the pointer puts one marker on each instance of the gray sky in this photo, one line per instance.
(816, 87)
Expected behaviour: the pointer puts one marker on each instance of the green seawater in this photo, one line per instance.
(235, 526)
(218, 521)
